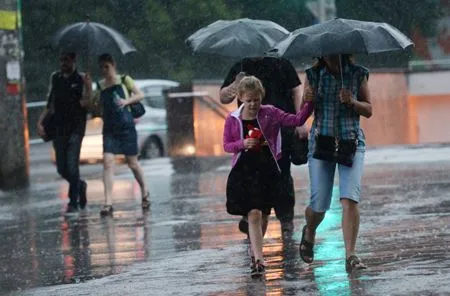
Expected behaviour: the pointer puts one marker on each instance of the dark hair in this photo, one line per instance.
(106, 58)
(70, 55)
(347, 59)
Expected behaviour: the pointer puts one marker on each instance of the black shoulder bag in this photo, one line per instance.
(333, 149)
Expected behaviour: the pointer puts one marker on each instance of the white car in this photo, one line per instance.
(151, 127)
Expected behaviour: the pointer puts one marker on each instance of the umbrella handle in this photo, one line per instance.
(341, 70)
(88, 58)
(88, 63)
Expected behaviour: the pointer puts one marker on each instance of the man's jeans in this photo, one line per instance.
(67, 151)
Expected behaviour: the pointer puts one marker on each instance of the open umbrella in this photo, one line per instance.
(90, 38)
(237, 38)
(342, 36)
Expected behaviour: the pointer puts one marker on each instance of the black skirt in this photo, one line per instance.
(252, 183)
(121, 142)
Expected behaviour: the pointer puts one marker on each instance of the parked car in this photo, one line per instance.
(151, 127)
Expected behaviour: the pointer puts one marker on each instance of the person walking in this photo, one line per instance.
(282, 90)
(115, 93)
(252, 133)
(340, 94)
(68, 99)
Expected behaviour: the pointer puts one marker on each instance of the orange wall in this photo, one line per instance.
(432, 119)
(389, 123)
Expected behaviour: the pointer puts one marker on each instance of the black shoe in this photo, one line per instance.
(243, 226)
(354, 263)
(83, 194)
(71, 208)
(258, 269)
(107, 210)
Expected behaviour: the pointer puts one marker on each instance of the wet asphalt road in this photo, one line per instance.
(188, 245)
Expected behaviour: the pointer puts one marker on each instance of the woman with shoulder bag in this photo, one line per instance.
(340, 98)
(114, 96)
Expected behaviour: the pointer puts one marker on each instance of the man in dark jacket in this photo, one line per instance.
(282, 86)
(68, 99)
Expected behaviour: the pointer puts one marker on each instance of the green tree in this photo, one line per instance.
(157, 28)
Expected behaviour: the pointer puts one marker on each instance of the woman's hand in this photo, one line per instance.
(301, 132)
(122, 103)
(346, 96)
(87, 79)
(309, 94)
(250, 143)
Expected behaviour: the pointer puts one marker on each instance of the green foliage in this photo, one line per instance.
(158, 28)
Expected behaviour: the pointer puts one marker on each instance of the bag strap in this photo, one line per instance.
(98, 85)
(123, 81)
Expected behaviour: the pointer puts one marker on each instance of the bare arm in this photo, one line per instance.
(86, 100)
(228, 93)
(297, 97)
(136, 95)
(46, 110)
(42, 116)
(363, 106)
(299, 102)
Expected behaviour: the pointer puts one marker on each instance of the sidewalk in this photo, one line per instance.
(188, 245)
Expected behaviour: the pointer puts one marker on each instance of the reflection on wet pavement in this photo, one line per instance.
(187, 242)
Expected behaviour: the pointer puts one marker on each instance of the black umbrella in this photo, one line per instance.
(237, 38)
(342, 36)
(90, 38)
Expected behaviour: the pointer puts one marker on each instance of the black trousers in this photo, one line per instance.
(285, 202)
(67, 150)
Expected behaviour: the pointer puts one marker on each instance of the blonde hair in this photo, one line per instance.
(251, 84)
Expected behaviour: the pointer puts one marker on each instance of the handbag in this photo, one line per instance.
(335, 150)
(48, 122)
(137, 109)
(299, 151)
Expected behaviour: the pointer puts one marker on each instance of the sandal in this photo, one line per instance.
(145, 204)
(107, 210)
(354, 263)
(307, 250)
(258, 269)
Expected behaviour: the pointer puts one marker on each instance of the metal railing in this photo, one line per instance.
(202, 96)
(429, 64)
(205, 98)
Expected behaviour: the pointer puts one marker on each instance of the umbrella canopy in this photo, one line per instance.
(342, 36)
(237, 38)
(90, 38)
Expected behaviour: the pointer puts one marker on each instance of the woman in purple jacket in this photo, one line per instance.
(252, 134)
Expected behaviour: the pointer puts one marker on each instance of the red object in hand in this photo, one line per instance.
(254, 133)
(13, 89)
